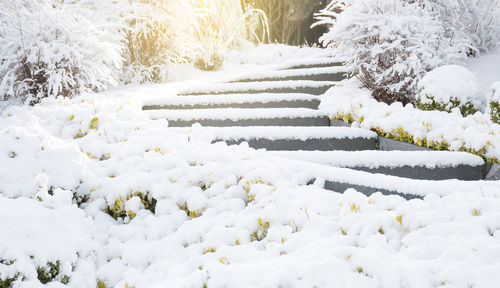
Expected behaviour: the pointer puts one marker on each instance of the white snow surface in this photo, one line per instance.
(228, 99)
(451, 82)
(276, 132)
(494, 94)
(391, 159)
(293, 72)
(240, 195)
(485, 67)
(476, 132)
(257, 225)
(255, 86)
(234, 113)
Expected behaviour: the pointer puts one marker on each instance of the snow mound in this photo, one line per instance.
(450, 82)
(42, 235)
(29, 151)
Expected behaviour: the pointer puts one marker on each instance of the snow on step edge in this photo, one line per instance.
(234, 114)
(256, 86)
(292, 73)
(304, 171)
(278, 132)
(391, 159)
(187, 100)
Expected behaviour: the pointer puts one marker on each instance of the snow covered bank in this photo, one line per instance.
(439, 130)
(109, 195)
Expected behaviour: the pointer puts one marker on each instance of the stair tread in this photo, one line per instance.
(192, 100)
(235, 114)
(237, 87)
(279, 132)
(292, 73)
(391, 159)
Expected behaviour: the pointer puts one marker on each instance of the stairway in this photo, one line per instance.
(278, 111)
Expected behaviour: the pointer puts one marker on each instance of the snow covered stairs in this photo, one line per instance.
(277, 110)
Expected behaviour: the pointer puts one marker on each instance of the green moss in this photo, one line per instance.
(495, 111)
(466, 109)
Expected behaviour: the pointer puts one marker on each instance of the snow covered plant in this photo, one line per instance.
(448, 87)
(217, 25)
(391, 44)
(48, 48)
(494, 102)
(147, 40)
(473, 25)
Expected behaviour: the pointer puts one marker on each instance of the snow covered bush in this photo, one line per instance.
(50, 48)
(473, 25)
(392, 44)
(214, 26)
(147, 40)
(494, 102)
(448, 87)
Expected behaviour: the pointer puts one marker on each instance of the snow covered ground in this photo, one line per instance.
(95, 188)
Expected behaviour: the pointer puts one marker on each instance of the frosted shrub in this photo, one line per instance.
(214, 26)
(392, 44)
(473, 25)
(147, 41)
(494, 102)
(449, 87)
(47, 49)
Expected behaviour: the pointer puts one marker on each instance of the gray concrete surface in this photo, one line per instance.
(310, 144)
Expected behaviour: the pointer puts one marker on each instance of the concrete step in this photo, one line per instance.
(292, 86)
(292, 138)
(257, 101)
(228, 117)
(424, 165)
(341, 187)
(311, 74)
(313, 63)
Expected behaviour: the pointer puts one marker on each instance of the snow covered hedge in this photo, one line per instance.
(392, 44)
(438, 130)
(449, 87)
(47, 49)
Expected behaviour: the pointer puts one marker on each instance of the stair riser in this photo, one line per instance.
(282, 104)
(309, 145)
(306, 90)
(461, 172)
(254, 122)
(316, 77)
(341, 187)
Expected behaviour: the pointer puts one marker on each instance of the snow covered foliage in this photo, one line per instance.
(392, 44)
(51, 48)
(178, 211)
(494, 102)
(438, 130)
(448, 87)
(214, 26)
(147, 38)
